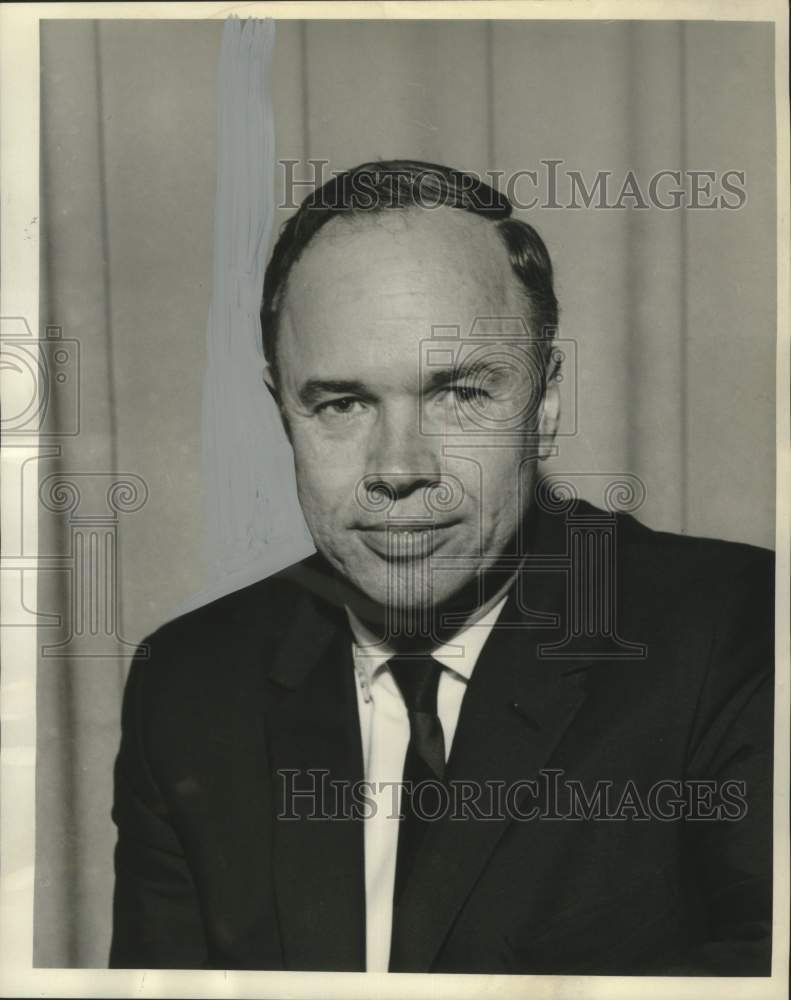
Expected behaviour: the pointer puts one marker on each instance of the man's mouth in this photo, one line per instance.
(405, 541)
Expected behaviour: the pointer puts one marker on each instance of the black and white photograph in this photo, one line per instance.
(395, 435)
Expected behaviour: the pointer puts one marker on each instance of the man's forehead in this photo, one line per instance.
(418, 250)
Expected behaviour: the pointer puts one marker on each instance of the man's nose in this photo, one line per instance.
(401, 459)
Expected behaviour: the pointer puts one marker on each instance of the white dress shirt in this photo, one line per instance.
(384, 726)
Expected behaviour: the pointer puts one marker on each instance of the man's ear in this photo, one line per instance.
(271, 384)
(549, 419)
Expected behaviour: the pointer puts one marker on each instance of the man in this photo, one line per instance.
(578, 709)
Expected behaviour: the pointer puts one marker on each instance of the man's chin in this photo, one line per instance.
(399, 605)
(402, 608)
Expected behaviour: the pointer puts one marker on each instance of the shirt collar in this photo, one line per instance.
(460, 654)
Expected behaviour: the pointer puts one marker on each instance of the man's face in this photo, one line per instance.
(414, 456)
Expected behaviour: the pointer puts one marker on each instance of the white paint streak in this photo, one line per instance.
(236, 406)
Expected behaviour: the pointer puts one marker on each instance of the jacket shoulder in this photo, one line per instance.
(204, 670)
(248, 622)
(690, 557)
(676, 557)
(697, 594)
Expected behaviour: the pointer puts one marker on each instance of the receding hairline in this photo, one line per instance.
(503, 287)
(393, 196)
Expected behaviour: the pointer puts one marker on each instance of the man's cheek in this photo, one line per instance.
(324, 481)
(497, 507)
(315, 442)
(326, 491)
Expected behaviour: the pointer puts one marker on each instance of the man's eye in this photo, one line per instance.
(469, 393)
(339, 407)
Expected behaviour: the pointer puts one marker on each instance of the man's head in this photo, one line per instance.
(407, 324)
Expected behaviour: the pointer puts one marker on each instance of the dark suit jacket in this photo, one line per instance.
(261, 681)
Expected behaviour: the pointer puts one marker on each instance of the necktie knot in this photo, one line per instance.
(417, 678)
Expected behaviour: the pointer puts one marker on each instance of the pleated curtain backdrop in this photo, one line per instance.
(670, 314)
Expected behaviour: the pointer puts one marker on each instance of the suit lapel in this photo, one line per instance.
(514, 714)
(314, 734)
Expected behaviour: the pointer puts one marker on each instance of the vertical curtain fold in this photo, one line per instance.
(655, 264)
(78, 695)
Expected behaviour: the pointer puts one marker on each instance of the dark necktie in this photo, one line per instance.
(417, 679)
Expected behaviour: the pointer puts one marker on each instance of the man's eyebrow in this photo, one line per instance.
(314, 389)
(442, 377)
